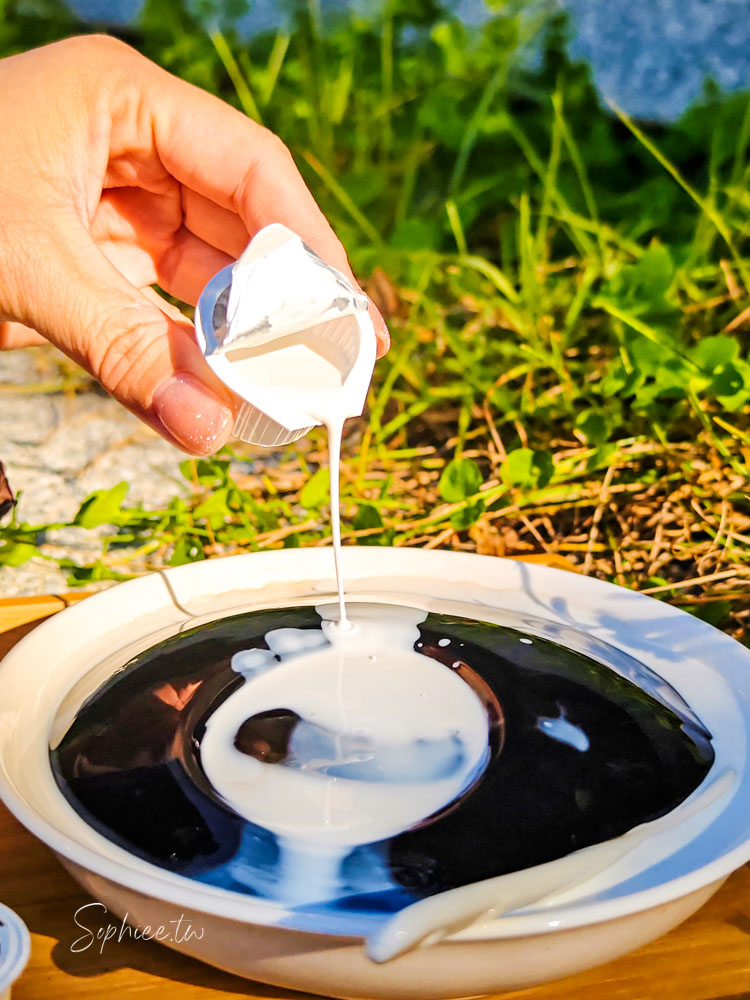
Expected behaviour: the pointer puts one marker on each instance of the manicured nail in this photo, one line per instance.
(381, 330)
(191, 413)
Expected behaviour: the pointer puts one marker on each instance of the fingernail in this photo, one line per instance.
(191, 413)
(381, 330)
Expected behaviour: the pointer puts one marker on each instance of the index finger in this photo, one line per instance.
(218, 152)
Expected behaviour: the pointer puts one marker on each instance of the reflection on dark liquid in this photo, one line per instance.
(281, 736)
(266, 736)
(578, 755)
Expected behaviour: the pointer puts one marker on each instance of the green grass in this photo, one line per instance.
(565, 287)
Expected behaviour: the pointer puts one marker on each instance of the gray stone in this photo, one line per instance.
(58, 448)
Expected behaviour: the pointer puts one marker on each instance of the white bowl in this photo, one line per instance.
(15, 947)
(47, 676)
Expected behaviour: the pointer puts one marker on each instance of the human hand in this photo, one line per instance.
(116, 176)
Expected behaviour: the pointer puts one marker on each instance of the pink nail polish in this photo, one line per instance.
(188, 410)
(382, 332)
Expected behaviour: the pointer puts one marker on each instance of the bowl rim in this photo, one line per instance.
(15, 934)
(309, 566)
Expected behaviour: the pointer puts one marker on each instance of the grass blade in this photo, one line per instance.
(235, 74)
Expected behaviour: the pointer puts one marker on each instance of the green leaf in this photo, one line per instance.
(736, 379)
(265, 519)
(468, 515)
(102, 507)
(715, 613)
(461, 478)
(367, 518)
(654, 271)
(528, 469)
(726, 376)
(646, 282)
(216, 508)
(594, 426)
(450, 37)
(178, 511)
(602, 457)
(17, 553)
(81, 575)
(187, 550)
(642, 289)
(317, 490)
(714, 352)
(727, 382)
(206, 471)
(656, 374)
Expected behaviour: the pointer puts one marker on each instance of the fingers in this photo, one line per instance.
(382, 333)
(226, 158)
(272, 190)
(188, 265)
(150, 249)
(218, 226)
(127, 115)
(146, 359)
(167, 308)
(14, 335)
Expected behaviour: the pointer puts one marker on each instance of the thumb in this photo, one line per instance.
(16, 335)
(148, 360)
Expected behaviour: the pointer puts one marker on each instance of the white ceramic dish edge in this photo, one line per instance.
(588, 604)
(179, 586)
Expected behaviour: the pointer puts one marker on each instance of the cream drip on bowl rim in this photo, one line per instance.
(310, 790)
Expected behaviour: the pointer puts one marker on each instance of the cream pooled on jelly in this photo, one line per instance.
(361, 765)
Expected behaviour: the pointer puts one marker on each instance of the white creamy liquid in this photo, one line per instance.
(386, 737)
(305, 379)
(555, 883)
(298, 374)
(371, 702)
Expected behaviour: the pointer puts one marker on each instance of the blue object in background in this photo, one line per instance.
(651, 57)
(106, 11)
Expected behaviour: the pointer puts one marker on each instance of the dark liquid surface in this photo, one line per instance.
(577, 754)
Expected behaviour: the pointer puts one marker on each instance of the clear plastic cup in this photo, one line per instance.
(300, 319)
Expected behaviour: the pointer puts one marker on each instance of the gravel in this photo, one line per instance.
(59, 445)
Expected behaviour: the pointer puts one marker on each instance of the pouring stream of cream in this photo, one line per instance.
(312, 383)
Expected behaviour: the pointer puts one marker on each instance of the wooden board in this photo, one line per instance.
(707, 958)
(15, 611)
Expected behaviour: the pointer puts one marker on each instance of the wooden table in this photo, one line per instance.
(707, 958)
